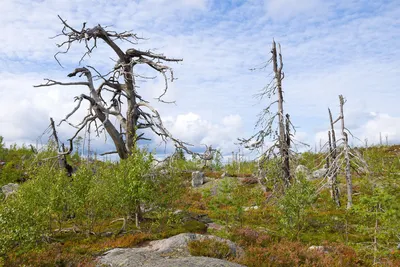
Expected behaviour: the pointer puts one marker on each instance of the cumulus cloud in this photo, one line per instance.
(378, 126)
(192, 128)
(341, 47)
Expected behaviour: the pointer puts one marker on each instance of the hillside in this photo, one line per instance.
(56, 220)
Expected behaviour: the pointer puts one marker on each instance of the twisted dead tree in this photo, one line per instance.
(280, 136)
(134, 114)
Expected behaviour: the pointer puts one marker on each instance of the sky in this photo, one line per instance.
(348, 47)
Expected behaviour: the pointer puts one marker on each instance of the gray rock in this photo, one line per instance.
(168, 252)
(9, 189)
(320, 249)
(197, 178)
(318, 174)
(251, 208)
(177, 212)
(303, 170)
(215, 226)
(126, 258)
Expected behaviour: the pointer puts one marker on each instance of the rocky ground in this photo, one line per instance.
(170, 252)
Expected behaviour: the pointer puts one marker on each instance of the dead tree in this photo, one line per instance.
(346, 151)
(62, 152)
(281, 136)
(333, 169)
(121, 82)
(341, 154)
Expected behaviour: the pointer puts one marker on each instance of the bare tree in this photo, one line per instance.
(62, 152)
(121, 82)
(333, 169)
(346, 150)
(340, 154)
(281, 136)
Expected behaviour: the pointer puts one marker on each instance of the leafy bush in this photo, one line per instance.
(294, 207)
(51, 200)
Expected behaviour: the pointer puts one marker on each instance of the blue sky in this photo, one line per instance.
(329, 48)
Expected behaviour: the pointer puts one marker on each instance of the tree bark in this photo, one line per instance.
(346, 151)
(62, 160)
(283, 145)
(334, 168)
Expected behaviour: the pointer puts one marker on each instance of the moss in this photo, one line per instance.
(209, 248)
(194, 226)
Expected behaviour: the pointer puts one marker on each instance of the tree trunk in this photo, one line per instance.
(349, 184)
(283, 149)
(62, 160)
(334, 168)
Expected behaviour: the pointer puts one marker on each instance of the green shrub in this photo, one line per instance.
(209, 248)
(294, 207)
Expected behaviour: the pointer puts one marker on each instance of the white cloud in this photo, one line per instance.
(378, 126)
(382, 125)
(346, 47)
(285, 9)
(194, 129)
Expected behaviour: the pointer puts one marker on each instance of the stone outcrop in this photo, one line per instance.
(168, 252)
(319, 174)
(197, 178)
(9, 189)
(304, 171)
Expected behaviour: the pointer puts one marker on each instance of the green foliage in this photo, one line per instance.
(51, 201)
(26, 216)
(379, 211)
(273, 172)
(217, 161)
(17, 163)
(311, 160)
(230, 200)
(244, 168)
(99, 193)
(2, 148)
(132, 183)
(294, 206)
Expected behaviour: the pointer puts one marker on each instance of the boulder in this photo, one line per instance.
(302, 170)
(168, 252)
(9, 189)
(197, 178)
(319, 174)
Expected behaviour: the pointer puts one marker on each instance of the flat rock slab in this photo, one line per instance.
(170, 252)
(132, 258)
